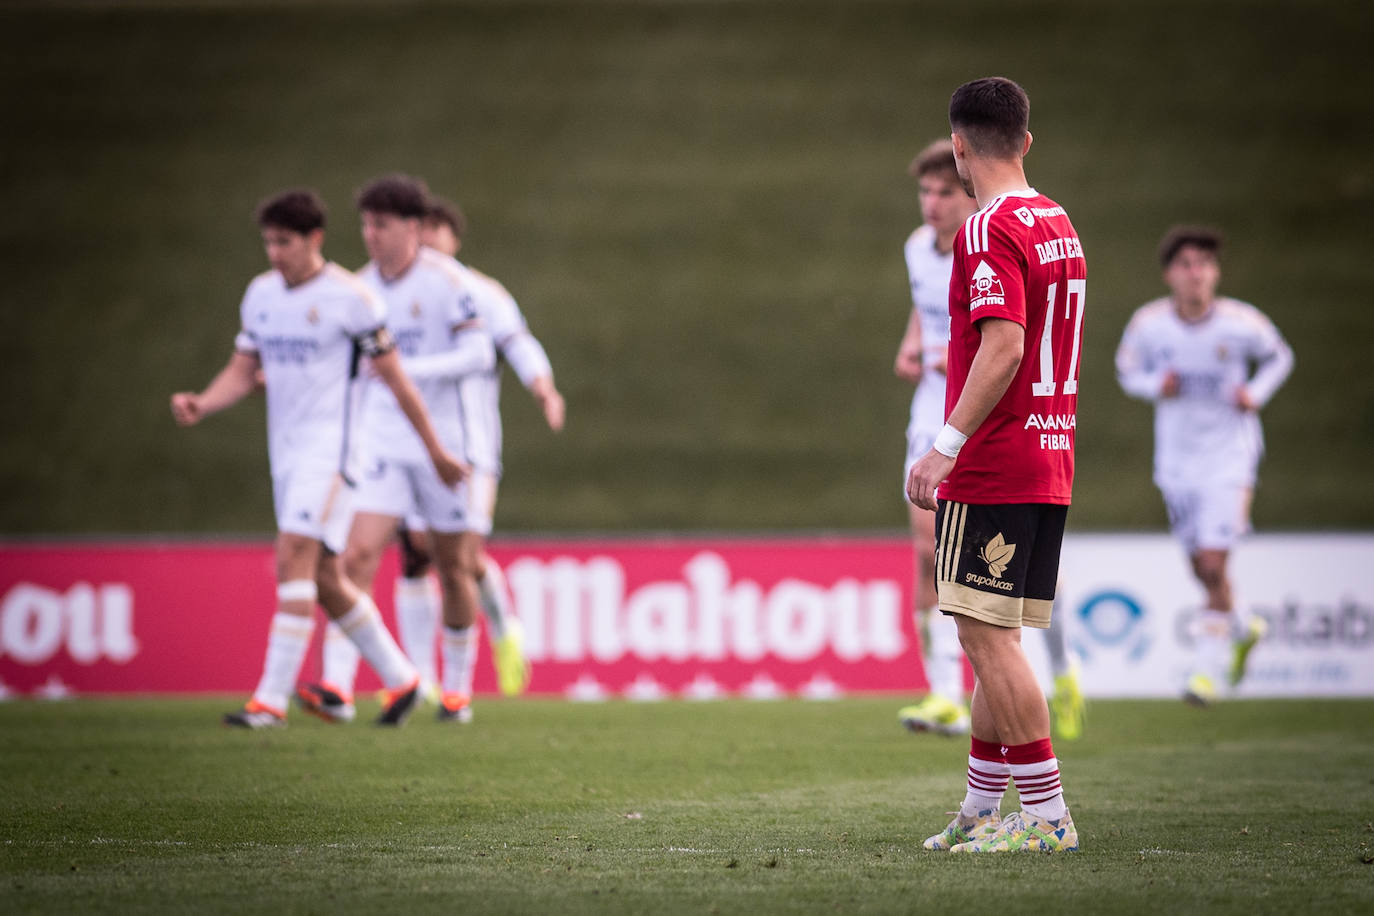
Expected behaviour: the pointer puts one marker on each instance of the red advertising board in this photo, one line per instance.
(635, 618)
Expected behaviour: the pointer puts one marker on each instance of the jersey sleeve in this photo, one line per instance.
(365, 322)
(366, 312)
(471, 353)
(245, 341)
(1273, 358)
(1135, 372)
(996, 271)
(511, 335)
(909, 255)
(527, 357)
(460, 309)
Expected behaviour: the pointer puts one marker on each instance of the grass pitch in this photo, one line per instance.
(137, 806)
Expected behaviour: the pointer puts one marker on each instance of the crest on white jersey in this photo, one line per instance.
(1025, 216)
(415, 310)
(985, 289)
(313, 316)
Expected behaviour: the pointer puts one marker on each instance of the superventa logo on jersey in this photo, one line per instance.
(90, 622)
(576, 610)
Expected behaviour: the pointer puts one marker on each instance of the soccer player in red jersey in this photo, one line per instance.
(1000, 474)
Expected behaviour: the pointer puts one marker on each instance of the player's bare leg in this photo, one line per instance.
(942, 710)
(1010, 715)
(457, 560)
(356, 630)
(355, 613)
(1210, 568)
(1222, 642)
(1006, 687)
(507, 633)
(1212, 629)
(289, 638)
(367, 538)
(980, 813)
(417, 604)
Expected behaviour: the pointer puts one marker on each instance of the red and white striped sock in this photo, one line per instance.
(1036, 773)
(987, 778)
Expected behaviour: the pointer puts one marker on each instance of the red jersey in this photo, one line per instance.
(1019, 258)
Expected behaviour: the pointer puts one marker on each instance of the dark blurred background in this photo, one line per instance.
(700, 207)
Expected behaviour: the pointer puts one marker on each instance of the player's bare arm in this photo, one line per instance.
(550, 401)
(909, 366)
(990, 374)
(387, 367)
(234, 382)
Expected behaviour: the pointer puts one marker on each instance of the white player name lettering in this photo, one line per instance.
(36, 623)
(1051, 421)
(575, 610)
(1058, 249)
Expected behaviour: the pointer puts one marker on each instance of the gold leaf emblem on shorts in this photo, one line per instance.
(997, 553)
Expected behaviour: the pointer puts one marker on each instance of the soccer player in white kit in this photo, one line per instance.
(921, 359)
(438, 331)
(308, 324)
(1208, 363)
(442, 230)
(417, 610)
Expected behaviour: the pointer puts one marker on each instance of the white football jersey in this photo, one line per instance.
(928, 271)
(430, 311)
(481, 392)
(309, 340)
(1201, 436)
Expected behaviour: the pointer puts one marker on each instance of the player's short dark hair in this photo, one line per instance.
(446, 213)
(298, 210)
(992, 114)
(399, 195)
(937, 157)
(1179, 237)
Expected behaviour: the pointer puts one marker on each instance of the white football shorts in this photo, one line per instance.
(314, 502)
(927, 419)
(1208, 518)
(414, 492)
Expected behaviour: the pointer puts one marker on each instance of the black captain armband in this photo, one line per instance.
(376, 342)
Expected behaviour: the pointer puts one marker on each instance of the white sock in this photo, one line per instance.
(460, 658)
(417, 621)
(1212, 643)
(1240, 617)
(340, 660)
(491, 591)
(987, 780)
(287, 642)
(944, 657)
(364, 626)
(1035, 770)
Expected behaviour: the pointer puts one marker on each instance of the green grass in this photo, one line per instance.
(701, 207)
(143, 806)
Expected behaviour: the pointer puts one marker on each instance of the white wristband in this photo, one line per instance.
(949, 441)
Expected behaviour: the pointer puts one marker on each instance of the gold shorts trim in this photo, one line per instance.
(998, 610)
